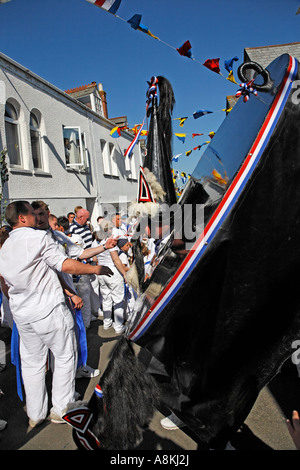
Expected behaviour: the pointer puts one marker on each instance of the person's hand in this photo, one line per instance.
(105, 271)
(77, 301)
(293, 426)
(111, 243)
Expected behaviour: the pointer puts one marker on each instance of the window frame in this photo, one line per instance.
(82, 147)
(38, 131)
(16, 123)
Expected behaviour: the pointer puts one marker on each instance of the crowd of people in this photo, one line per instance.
(58, 274)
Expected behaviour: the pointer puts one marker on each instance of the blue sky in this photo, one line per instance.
(72, 43)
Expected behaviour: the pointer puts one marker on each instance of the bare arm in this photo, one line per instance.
(72, 266)
(90, 252)
(118, 263)
(69, 292)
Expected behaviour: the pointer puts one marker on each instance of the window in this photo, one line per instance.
(109, 158)
(113, 160)
(105, 157)
(74, 144)
(35, 137)
(11, 118)
(130, 166)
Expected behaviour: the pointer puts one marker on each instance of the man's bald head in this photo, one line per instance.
(82, 216)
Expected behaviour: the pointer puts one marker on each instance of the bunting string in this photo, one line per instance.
(185, 50)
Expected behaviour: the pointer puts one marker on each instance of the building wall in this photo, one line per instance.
(104, 177)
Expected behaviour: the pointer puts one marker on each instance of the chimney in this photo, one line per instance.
(103, 99)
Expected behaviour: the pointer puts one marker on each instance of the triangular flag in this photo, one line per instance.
(194, 135)
(144, 189)
(181, 137)
(188, 153)
(182, 120)
(229, 63)
(175, 158)
(231, 77)
(109, 5)
(185, 49)
(201, 112)
(135, 23)
(213, 64)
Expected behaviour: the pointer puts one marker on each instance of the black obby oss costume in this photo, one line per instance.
(218, 319)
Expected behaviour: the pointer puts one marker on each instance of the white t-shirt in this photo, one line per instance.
(124, 258)
(119, 231)
(29, 260)
(104, 258)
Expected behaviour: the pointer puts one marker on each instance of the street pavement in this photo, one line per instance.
(264, 429)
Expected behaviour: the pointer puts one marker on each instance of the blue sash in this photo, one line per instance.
(82, 343)
(15, 358)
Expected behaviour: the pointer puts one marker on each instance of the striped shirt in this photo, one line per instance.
(83, 231)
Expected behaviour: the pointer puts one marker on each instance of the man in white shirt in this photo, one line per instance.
(119, 228)
(112, 292)
(29, 262)
(73, 251)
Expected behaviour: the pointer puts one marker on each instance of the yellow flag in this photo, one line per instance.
(231, 77)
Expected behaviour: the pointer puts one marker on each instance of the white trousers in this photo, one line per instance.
(55, 332)
(112, 291)
(95, 291)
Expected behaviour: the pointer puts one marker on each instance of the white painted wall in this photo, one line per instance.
(61, 187)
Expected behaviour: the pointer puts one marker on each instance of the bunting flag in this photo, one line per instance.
(185, 49)
(112, 6)
(135, 23)
(201, 112)
(228, 64)
(136, 128)
(231, 77)
(195, 135)
(109, 5)
(115, 132)
(188, 153)
(182, 120)
(211, 134)
(181, 137)
(212, 64)
(131, 146)
(175, 158)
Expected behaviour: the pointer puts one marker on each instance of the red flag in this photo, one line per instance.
(212, 64)
(185, 49)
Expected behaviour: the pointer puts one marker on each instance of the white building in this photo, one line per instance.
(38, 121)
